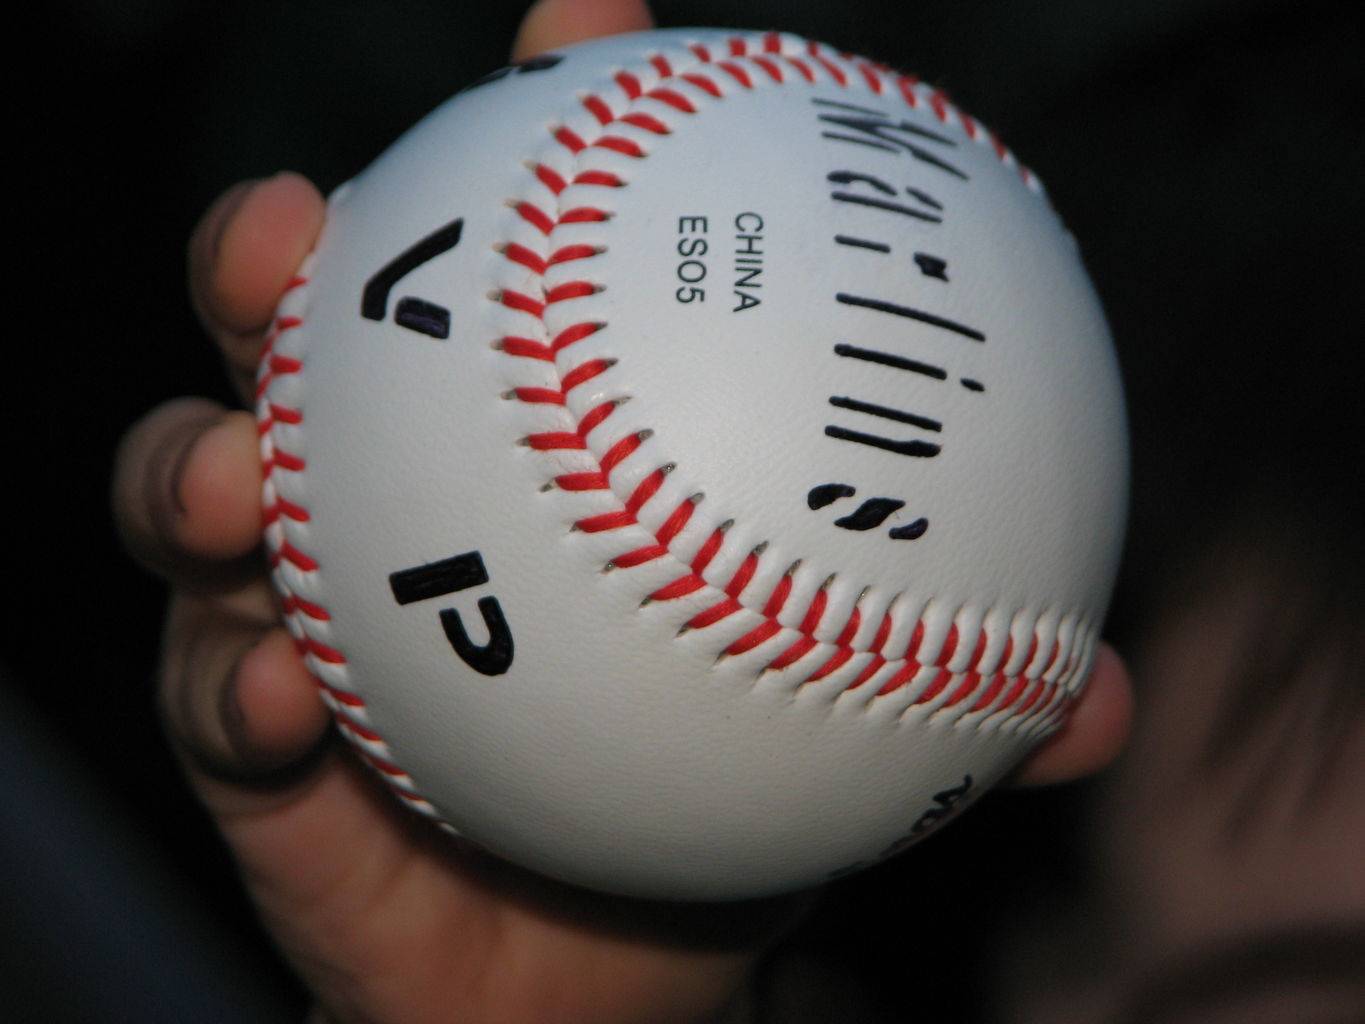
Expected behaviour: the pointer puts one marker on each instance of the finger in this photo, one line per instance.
(243, 255)
(239, 705)
(553, 23)
(235, 694)
(186, 493)
(1095, 732)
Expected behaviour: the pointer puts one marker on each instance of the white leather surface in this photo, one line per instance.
(617, 752)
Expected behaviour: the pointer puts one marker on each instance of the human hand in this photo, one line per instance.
(381, 917)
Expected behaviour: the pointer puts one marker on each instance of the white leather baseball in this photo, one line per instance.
(696, 464)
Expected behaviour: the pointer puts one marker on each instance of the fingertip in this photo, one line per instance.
(1094, 733)
(148, 468)
(241, 707)
(219, 491)
(553, 23)
(1108, 714)
(249, 247)
(281, 717)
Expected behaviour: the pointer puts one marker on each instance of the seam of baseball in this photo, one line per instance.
(740, 66)
(295, 572)
(1029, 694)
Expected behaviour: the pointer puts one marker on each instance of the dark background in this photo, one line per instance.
(1207, 153)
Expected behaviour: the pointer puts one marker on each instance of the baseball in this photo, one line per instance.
(695, 463)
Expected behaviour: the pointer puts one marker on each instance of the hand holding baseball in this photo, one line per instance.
(383, 920)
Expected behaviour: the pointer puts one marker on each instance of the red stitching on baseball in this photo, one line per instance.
(872, 77)
(565, 137)
(938, 99)
(594, 417)
(737, 73)
(577, 332)
(582, 482)
(294, 603)
(906, 84)
(714, 614)
(387, 767)
(584, 215)
(648, 122)
(777, 600)
(769, 628)
(598, 108)
(949, 647)
(1015, 691)
(284, 460)
(836, 662)
(584, 372)
(638, 557)
(991, 692)
(556, 442)
(536, 217)
(604, 178)
(524, 303)
(572, 252)
(1039, 686)
(843, 644)
(629, 84)
(288, 553)
(624, 146)
(689, 584)
(768, 65)
(794, 653)
(550, 178)
(936, 687)
(364, 732)
(806, 71)
(834, 71)
(280, 414)
(287, 509)
(285, 364)
(341, 696)
(815, 611)
(674, 99)
(1041, 696)
(705, 84)
(965, 689)
(617, 520)
(877, 660)
(619, 452)
(532, 261)
(570, 290)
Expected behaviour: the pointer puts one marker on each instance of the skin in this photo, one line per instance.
(1223, 889)
(382, 919)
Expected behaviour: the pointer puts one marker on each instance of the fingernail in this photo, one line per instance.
(218, 217)
(230, 710)
(167, 472)
(209, 238)
(206, 242)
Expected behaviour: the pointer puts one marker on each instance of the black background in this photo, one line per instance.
(1208, 155)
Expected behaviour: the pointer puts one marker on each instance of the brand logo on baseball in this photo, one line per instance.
(877, 181)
